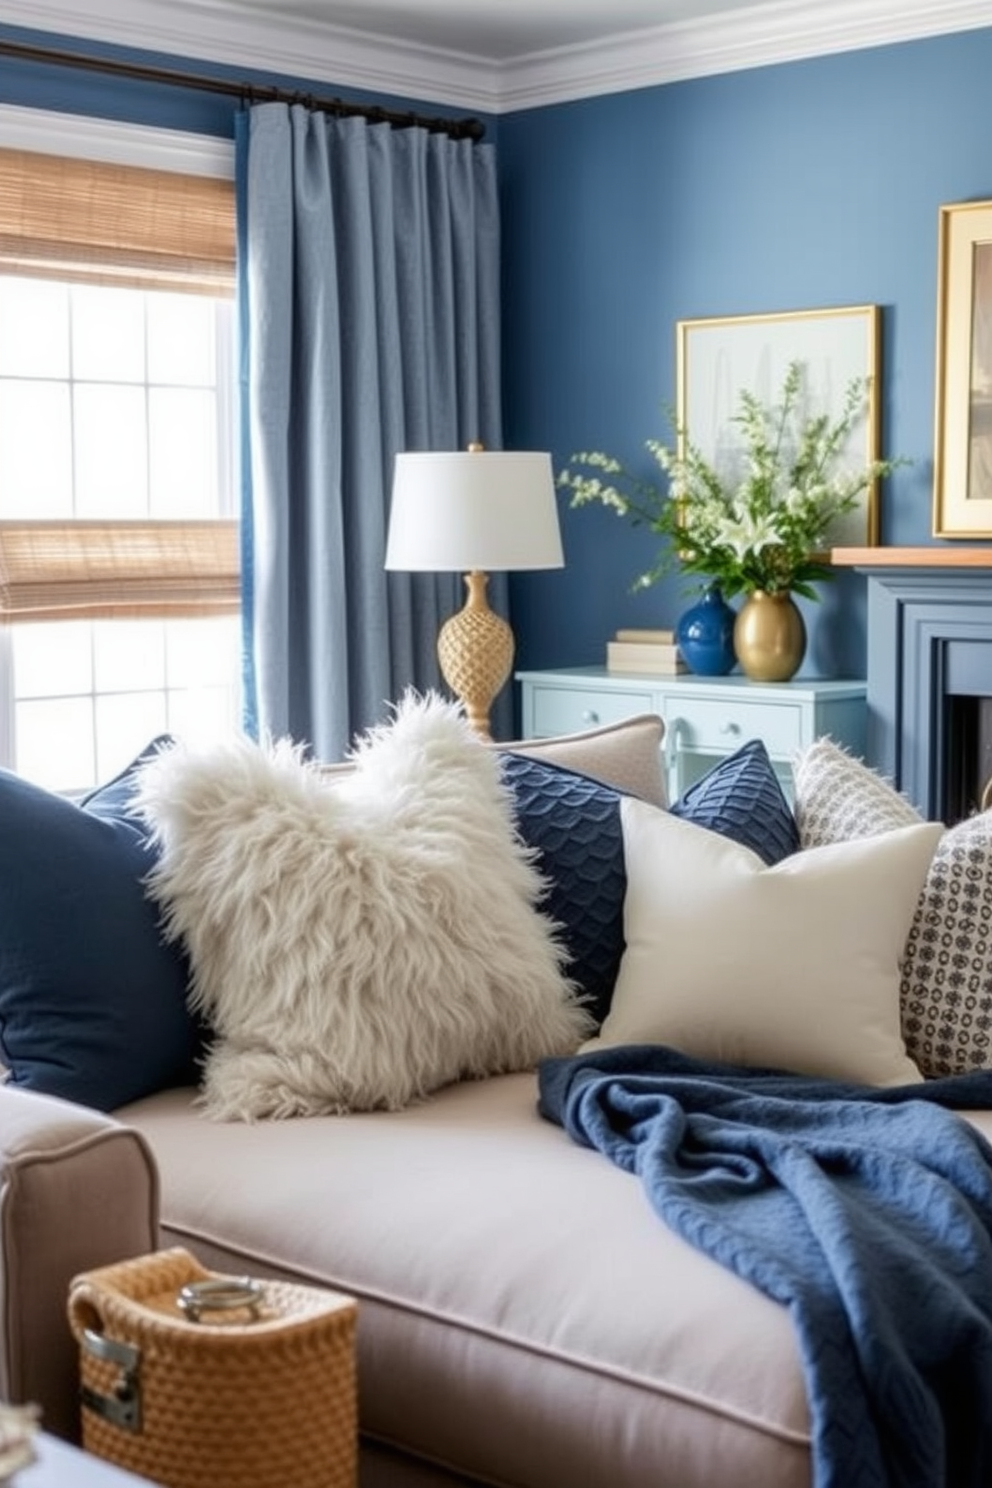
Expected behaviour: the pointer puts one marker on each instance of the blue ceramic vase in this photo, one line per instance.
(705, 634)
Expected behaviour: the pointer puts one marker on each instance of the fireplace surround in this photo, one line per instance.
(929, 682)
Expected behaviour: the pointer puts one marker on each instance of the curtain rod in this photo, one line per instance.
(472, 129)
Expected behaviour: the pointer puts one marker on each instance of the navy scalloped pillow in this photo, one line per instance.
(573, 821)
(92, 1000)
(741, 798)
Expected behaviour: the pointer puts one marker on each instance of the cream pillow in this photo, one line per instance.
(794, 966)
(625, 755)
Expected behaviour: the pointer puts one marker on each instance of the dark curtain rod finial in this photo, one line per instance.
(246, 93)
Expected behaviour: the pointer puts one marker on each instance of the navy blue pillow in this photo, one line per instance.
(92, 999)
(112, 800)
(574, 823)
(741, 798)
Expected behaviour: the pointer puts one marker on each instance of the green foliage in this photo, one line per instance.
(767, 525)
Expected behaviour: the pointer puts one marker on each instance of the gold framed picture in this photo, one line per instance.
(718, 358)
(962, 465)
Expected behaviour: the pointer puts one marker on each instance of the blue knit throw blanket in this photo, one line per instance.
(866, 1212)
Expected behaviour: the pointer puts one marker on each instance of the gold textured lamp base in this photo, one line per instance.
(475, 649)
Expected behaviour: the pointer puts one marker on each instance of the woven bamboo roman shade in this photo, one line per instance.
(125, 226)
(84, 219)
(101, 570)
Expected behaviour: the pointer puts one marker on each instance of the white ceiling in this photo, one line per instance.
(494, 56)
(498, 30)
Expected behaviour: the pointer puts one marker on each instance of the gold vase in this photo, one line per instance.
(769, 637)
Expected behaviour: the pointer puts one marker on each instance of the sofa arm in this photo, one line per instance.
(77, 1190)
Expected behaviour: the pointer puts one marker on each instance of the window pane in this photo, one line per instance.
(108, 334)
(182, 441)
(91, 695)
(34, 328)
(35, 450)
(111, 452)
(52, 658)
(202, 715)
(54, 743)
(181, 339)
(125, 723)
(114, 404)
(128, 655)
(204, 653)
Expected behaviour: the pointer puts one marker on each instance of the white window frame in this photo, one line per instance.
(114, 143)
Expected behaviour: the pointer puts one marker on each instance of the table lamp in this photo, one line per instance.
(474, 512)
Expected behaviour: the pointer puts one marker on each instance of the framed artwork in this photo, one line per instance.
(962, 492)
(718, 358)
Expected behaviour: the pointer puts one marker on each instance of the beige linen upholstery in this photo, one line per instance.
(524, 1317)
(76, 1190)
(626, 755)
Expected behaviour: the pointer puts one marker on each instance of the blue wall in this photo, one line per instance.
(808, 184)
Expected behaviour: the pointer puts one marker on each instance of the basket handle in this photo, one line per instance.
(123, 1406)
(221, 1294)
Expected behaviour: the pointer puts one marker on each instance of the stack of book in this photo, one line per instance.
(653, 651)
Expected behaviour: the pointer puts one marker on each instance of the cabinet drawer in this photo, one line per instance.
(559, 710)
(722, 726)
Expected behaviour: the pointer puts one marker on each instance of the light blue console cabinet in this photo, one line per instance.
(706, 718)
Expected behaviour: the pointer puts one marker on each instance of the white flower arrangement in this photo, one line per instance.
(766, 526)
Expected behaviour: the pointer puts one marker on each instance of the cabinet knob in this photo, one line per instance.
(590, 716)
(731, 728)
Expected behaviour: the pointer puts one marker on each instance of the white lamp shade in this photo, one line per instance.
(482, 509)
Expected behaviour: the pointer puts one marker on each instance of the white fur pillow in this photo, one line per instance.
(356, 943)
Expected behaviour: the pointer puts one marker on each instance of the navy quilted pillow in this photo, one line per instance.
(741, 798)
(574, 823)
(92, 1000)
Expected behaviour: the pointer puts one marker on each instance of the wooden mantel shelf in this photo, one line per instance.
(882, 557)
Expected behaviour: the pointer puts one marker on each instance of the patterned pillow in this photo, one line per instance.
(741, 798)
(573, 824)
(946, 987)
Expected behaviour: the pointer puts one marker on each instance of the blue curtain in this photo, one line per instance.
(369, 312)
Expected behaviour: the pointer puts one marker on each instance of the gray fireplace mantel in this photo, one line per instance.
(929, 637)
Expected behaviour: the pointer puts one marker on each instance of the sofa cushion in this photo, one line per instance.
(794, 966)
(946, 981)
(524, 1317)
(355, 942)
(740, 797)
(92, 999)
(626, 755)
(572, 823)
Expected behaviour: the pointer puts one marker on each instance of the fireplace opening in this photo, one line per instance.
(967, 756)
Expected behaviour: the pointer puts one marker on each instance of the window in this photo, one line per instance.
(118, 545)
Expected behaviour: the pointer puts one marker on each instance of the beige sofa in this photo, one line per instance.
(524, 1317)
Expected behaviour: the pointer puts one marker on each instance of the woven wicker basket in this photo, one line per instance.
(252, 1387)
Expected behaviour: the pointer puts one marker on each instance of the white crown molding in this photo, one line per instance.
(216, 31)
(115, 143)
(758, 36)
